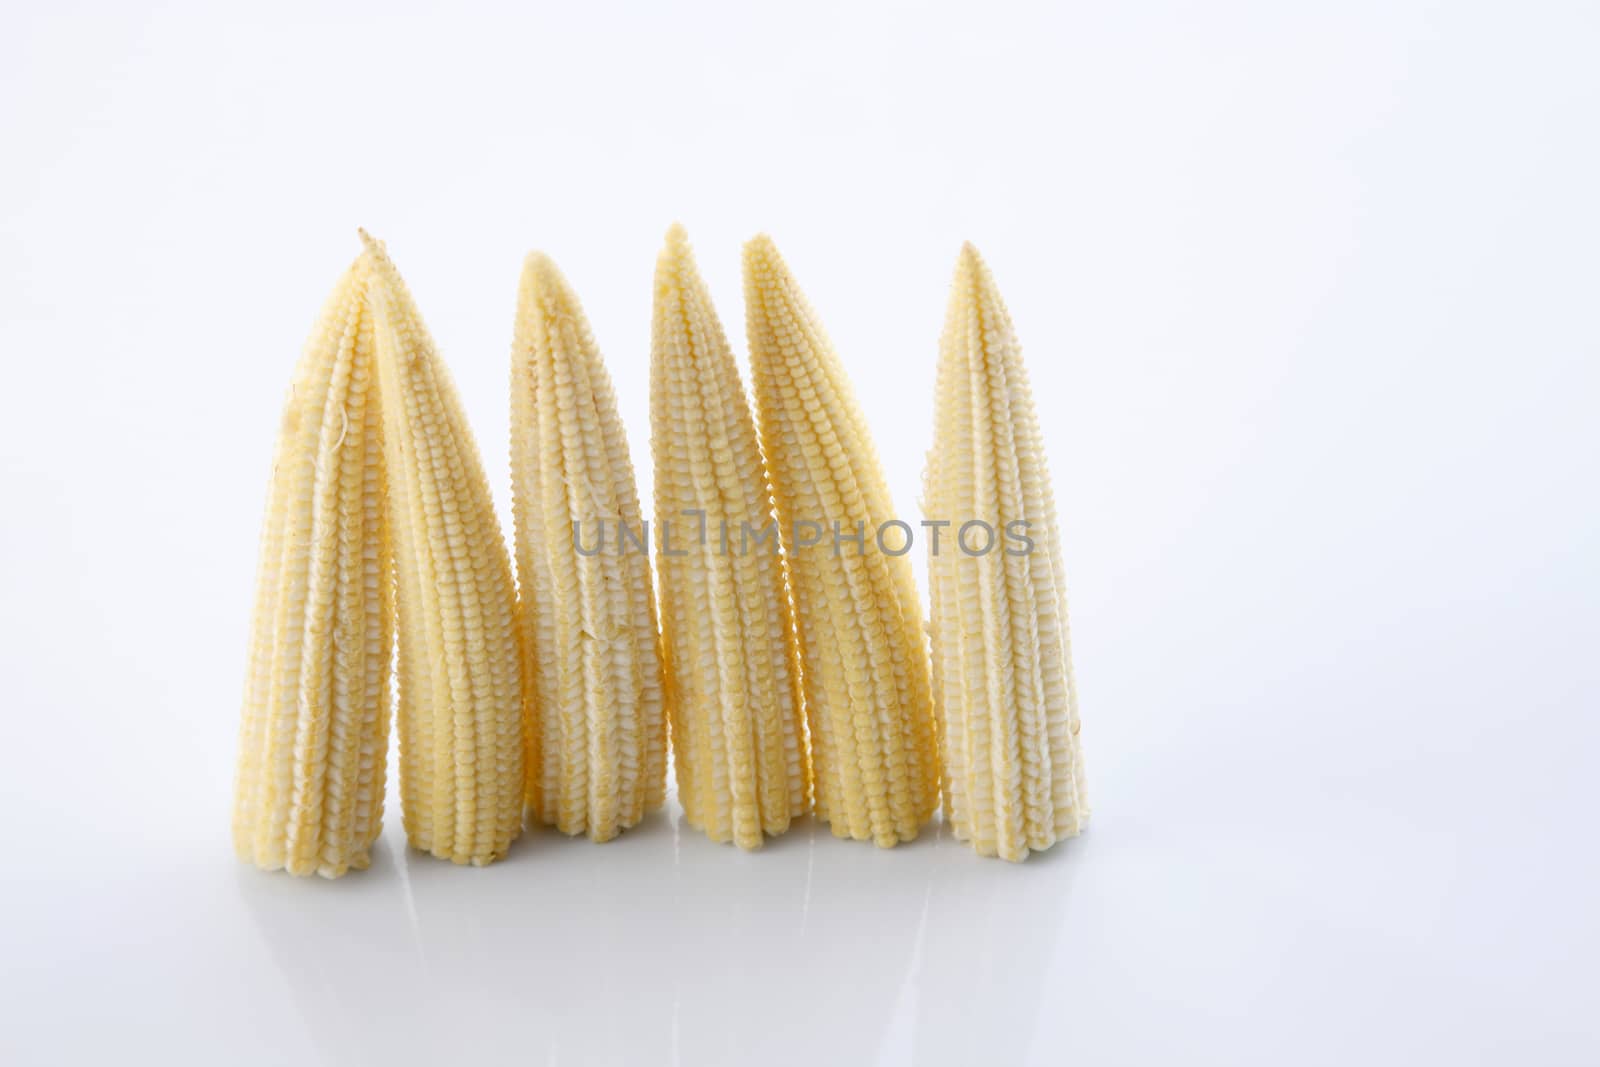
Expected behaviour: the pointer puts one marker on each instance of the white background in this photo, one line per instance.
(1308, 293)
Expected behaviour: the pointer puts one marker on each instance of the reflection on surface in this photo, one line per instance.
(662, 946)
(786, 949)
(347, 956)
(991, 938)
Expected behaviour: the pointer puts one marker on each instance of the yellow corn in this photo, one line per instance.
(863, 653)
(727, 629)
(315, 727)
(1003, 686)
(460, 664)
(597, 739)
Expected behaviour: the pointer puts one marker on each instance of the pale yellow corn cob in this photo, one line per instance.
(863, 652)
(1003, 692)
(597, 742)
(315, 727)
(727, 628)
(460, 662)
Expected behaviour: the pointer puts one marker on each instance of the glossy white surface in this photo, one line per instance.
(1308, 297)
(1167, 932)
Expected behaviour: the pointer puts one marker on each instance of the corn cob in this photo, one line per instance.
(1003, 687)
(727, 629)
(597, 744)
(863, 653)
(460, 663)
(315, 727)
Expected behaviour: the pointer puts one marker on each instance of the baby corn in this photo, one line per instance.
(863, 653)
(597, 742)
(315, 728)
(726, 625)
(460, 664)
(1003, 686)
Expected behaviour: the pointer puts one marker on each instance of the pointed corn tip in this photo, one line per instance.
(971, 275)
(676, 256)
(764, 267)
(545, 283)
(542, 271)
(376, 253)
(768, 282)
(970, 268)
(760, 250)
